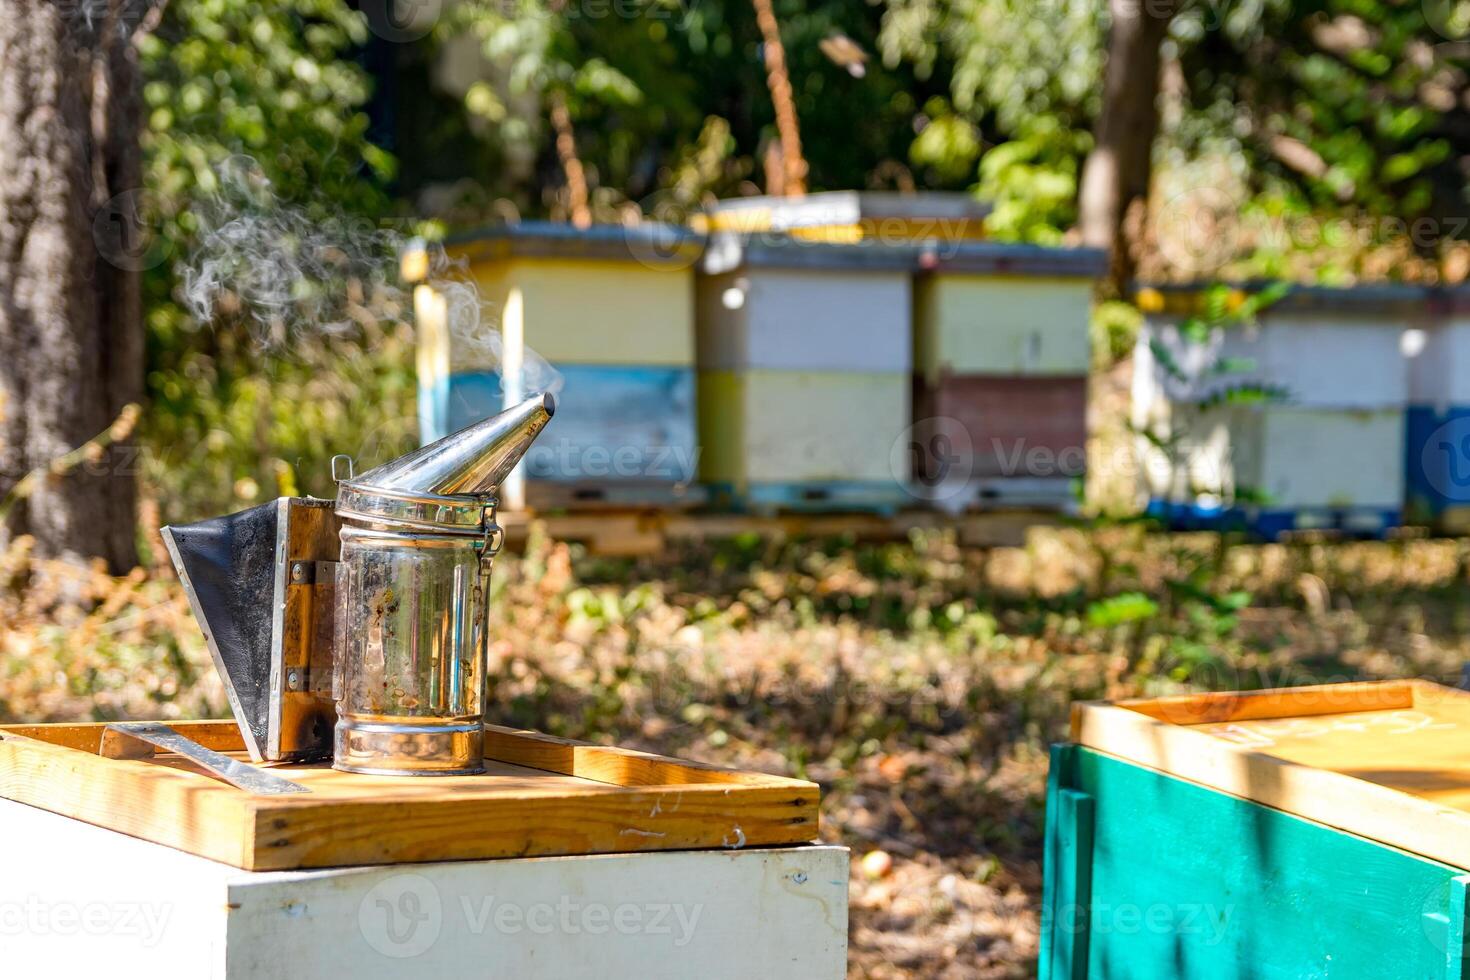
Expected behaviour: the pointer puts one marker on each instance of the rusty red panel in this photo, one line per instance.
(1021, 426)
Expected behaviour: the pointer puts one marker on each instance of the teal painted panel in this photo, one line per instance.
(1188, 882)
(613, 422)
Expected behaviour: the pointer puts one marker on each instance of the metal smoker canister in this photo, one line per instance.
(413, 584)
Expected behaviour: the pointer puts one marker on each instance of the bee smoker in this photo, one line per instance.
(357, 630)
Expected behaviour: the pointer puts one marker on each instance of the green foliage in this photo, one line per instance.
(1209, 385)
(1114, 328)
(1343, 110)
(643, 81)
(1129, 607)
(230, 422)
(1026, 77)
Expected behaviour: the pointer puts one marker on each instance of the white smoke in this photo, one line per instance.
(286, 272)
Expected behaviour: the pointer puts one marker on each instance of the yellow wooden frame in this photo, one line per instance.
(541, 796)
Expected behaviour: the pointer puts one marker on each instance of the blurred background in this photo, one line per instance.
(923, 366)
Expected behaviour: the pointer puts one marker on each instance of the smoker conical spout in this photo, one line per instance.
(474, 460)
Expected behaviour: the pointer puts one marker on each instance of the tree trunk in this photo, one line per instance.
(1113, 198)
(71, 328)
(571, 164)
(793, 182)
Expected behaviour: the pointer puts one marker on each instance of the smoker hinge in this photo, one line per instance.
(307, 572)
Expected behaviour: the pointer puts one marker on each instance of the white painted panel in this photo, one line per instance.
(1439, 375)
(828, 320)
(78, 901)
(91, 902)
(1320, 360)
(809, 426)
(990, 324)
(1317, 457)
(1297, 456)
(709, 914)
(804, 320)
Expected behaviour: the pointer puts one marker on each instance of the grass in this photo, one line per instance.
(920, 683)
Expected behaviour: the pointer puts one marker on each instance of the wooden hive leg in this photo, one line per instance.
(1068, 873)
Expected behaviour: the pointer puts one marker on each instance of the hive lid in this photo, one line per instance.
(1388, 760)
(448, 485)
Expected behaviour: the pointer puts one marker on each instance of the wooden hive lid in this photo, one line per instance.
(540, 796)
(1386, 760)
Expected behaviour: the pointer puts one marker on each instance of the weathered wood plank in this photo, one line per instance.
(539, 796)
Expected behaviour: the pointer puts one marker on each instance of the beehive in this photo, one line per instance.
(1309, 832)
(611, 310)
(1280, 467)
(1001, 348)
(1319, 451)
(804, 360)
(1436, 451)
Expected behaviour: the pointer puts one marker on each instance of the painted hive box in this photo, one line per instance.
(1283, 467)
(804, 352)
(1437, 440)
(782, 427)
(1018, 427)
(805, 319)
(610, 312)
(1004, 310)
(1307, 832)
(1317, 359)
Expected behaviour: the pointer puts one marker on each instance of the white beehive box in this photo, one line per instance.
(1439, 364)
(125, 908)
(1297, 458)
(804, 353)
(800, 426)
(801, 306)
(1321, 348)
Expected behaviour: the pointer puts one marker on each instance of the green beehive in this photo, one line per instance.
(1309, 832)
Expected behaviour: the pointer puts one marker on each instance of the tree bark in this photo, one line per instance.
(571, 164)
(71, 328)
(1113, 197)
(793, 182)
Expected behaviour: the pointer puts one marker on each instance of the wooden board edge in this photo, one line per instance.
(698, 817)
(523, 747)
(1313, 699)
(220, 735)
(127, 797)
(1334, 799)
(618, 766)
